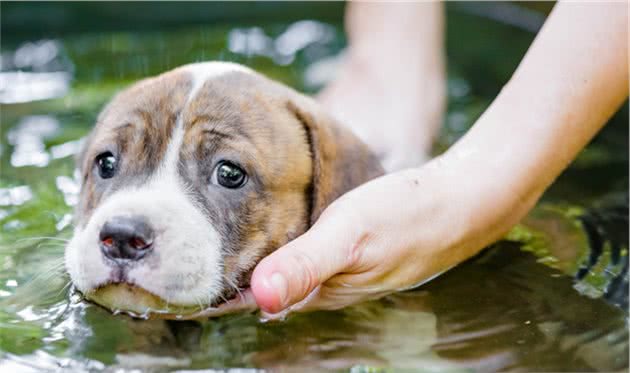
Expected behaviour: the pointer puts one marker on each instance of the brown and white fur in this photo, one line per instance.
(168, 133)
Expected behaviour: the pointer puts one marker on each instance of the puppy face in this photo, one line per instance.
(191, 177)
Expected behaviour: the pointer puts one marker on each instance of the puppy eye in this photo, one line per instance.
(106, 164)
(228, 175)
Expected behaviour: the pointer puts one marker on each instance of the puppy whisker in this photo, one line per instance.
(64, 288)
(50, 245)
(43, 238)
(233, 285)
(224, 299)
(199, 303)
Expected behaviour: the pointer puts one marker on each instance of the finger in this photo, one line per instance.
(243, 302)
(292, 272)
(312, 297)
(327, 298)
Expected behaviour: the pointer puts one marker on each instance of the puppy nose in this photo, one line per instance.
(126, 238)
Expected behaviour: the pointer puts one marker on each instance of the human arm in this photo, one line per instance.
(391, 87)
(404, 228)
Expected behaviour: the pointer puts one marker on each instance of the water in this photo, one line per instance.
(551, 296)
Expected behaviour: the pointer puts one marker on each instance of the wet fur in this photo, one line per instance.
(297, 158)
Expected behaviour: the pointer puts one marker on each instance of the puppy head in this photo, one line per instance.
(191, 177)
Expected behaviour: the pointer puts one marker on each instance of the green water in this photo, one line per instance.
(515, 306)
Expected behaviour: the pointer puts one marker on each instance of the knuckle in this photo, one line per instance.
(356, 249)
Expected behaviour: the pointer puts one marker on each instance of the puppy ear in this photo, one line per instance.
(341, 161)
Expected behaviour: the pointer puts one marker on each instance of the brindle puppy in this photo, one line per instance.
(191, 177)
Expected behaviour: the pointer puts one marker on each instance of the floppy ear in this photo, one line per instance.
(341, 161)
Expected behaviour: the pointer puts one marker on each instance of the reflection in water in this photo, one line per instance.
(528, 315)
(499, 311)
(590, 245)
(42, 361)
(604, 271)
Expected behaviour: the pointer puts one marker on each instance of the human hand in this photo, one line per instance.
(390, 234)
(403, 228)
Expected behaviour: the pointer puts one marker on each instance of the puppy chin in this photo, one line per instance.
(169, 291)
(138, 302)
(182, 274)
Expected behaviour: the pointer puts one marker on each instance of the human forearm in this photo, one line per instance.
(572, 79)
(403, 228)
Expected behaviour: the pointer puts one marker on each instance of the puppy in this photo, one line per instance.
(190, 178)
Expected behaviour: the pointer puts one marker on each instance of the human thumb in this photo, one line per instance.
(291, 273)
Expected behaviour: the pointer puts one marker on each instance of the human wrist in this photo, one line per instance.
(490, 196)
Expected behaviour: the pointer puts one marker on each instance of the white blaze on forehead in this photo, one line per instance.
(200, 74)
(203, 71)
